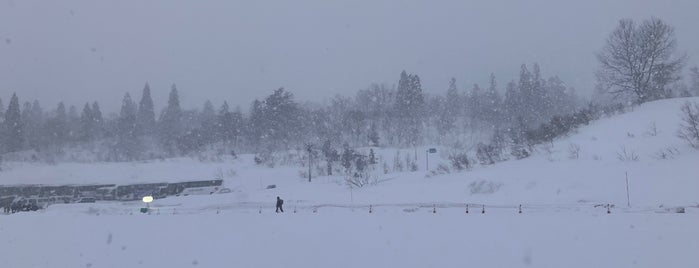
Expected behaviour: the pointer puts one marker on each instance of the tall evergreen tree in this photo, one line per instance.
(35, 127)
(409, 108)
(255, 125)
(146, 113)
(58, 126)
(208, 121)
(14, 136)
(476, 104)
(493, 103)
(452, 109)
(87, 129)
(513, 102)
(528, 97)
(238, 124)
(127, 147)
(541, 100)
(2, 111)
(26, 112)
(224, 126)
(170, 122)
(98, 121)
(73, 124)
(280, 120)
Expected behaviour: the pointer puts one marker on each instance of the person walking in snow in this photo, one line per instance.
(280, 202)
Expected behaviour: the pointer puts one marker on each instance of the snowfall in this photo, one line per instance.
(404, 219)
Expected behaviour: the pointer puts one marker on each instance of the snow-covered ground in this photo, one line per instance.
(560, 226)
(342, 238)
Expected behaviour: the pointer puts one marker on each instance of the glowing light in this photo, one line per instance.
(147, 199)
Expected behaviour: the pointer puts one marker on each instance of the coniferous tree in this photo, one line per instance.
(2, 111)
(476, 104)
(409, 109)
(58, 126)
(526, 91)
(87, 124)
(237, 125)
(223, 123)
(208, 123)
(146, 113)
(512, 103)
(255, 125)
(13, 127)
(171, 122)
(275, 121)
(98, 121)
(493, 104)
(127, 147)
(35, 128)
(229, 125)
(25, 113)
(451, 111)
(73, 124)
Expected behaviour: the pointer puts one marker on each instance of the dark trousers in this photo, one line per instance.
(279, 208)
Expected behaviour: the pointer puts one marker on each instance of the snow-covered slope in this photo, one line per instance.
(550, 176)
(416, 220)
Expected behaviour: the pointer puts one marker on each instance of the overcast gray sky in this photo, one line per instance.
(78, 51)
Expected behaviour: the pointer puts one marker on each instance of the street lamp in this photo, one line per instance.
(146, 199)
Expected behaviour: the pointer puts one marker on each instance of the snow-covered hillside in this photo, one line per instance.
(560, 227)
(550, 176)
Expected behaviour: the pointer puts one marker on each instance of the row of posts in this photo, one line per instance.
(371, 209)
(434, 209)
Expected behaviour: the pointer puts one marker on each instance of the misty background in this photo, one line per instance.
(79, 51)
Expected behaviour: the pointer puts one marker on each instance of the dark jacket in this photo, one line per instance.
(280, 202)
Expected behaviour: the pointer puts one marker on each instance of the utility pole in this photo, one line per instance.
(427, 160)
(628, 200)
(427, 157)
(309, 148)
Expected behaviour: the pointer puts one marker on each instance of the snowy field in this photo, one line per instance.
(562, 224)
(345, 238)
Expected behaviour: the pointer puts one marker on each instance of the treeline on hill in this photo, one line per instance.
(496, 122)
(399, 116)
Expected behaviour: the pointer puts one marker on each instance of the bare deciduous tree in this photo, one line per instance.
(689, 128)
(573, 151)
(694, 87)
(639, 60)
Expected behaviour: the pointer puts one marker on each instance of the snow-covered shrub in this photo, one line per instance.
(689, 128)
(613, 109)
(384, 165)
(397, 163)
(652, 130)
(358, 180)
(625, 155)
(459, 161)
(487, 154)
(573, 151)
(440, 170)
(258, 160)
(484, 187)
(519, 151)
(667, 153)
(410, 163)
